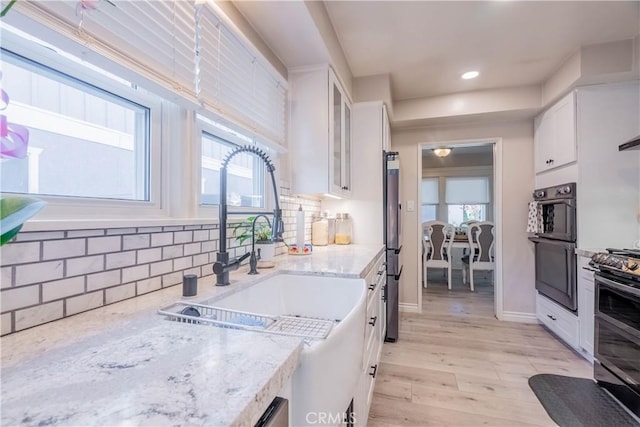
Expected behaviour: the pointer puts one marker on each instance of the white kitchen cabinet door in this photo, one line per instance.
(586, 305)
(555, 135)
(319, 133)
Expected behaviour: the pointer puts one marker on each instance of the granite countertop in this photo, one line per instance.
(124, 364)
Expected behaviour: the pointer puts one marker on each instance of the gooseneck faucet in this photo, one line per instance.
(223, 264)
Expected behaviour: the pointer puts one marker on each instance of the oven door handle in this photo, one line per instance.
(622, 288)
(569, 202)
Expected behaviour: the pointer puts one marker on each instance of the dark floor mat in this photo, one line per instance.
(578, 402)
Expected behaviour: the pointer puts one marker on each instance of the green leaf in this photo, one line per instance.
(15, 211)
(9, 235)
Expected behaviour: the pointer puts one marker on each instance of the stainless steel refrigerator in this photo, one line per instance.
(392, 239)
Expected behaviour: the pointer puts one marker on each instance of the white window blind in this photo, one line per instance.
(467, 190)
(430, 191)
(153, 38)
(158, 40)
(234, 81)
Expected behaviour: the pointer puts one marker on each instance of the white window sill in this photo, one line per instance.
(88, 224)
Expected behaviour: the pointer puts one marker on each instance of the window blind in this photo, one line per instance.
(234, 81)
(430, 191)
(159, 40)
(467, 190)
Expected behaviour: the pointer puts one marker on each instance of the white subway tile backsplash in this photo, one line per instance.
(6, 277)
(5, 324)
(84, 233)
(173, 228)
(40, 272)
(192, 248)
(115, 231)
(182, 263)
(84, 302)
(149, 229)
(149, 255)
(169, 252)
(214, 234)
(201, 235)
(171, 279)
(195, 270)
(68, 248)
(62, 288)
(103, 280)
(19, 298)
(183, 237)
(119, 293)
(85, 265)
(25, 236)
(120, 259)
(161, 239)
(158, 268)
(100, 245)
(201, 259)
(20, 253)
(38, 315)
(148, 285)
(209, 246)
(135, 241)
(192, 227)
(132, 274)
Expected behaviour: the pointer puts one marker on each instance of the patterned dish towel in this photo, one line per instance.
(534, 225)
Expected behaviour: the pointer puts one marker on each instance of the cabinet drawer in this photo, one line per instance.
(369, 373)
(562, 322)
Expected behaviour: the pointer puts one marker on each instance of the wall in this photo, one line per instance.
(517, 185)
(50, 275)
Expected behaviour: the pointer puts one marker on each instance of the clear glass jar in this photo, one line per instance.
(332, 228)
(343, 229)
(319, 231)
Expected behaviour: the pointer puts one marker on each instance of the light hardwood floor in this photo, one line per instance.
(456, 365)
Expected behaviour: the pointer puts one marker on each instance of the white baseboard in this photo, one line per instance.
(515, 316)
(408, 308)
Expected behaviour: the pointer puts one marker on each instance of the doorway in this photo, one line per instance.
(463, 185)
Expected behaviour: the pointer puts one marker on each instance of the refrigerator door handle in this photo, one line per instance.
(397, 276)
(396, 251)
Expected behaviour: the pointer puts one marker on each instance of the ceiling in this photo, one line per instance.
(426, 45)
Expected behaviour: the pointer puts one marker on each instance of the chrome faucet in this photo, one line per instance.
(223, 264)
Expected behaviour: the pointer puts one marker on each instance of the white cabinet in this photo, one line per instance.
(558, 320)
(555, 135)
(374, 338)
(319, 133)
(586, 306)
(370, 136)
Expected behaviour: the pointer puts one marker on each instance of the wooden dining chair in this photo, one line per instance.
(436, 247)
(481, 236)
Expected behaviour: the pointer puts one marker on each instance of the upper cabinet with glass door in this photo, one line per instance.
(319, 133)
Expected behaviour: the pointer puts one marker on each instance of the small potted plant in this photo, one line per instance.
(263, 241)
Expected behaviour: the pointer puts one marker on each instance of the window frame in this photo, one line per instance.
(203, 126)
(60, 207)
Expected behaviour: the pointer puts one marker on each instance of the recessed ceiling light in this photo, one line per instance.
(470, 75)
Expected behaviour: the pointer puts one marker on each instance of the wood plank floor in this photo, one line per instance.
(456, 365)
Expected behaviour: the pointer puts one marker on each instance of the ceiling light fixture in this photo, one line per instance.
(470, 75)
(441, 152)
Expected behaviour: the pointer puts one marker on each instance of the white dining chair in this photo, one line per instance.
(436, 247)
(481, 236)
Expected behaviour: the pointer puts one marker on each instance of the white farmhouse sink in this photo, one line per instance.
(327, 378)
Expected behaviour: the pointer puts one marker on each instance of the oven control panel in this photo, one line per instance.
(564, 191)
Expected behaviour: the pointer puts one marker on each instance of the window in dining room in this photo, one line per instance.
(430, 198)
(467, 199)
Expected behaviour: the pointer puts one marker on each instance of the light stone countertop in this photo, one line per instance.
(124, 364)
(588, 252)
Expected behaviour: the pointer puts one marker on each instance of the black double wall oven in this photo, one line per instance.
(555, 244)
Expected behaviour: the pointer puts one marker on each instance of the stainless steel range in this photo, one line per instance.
(617, 325)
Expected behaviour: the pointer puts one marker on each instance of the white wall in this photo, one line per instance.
(517, 186)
